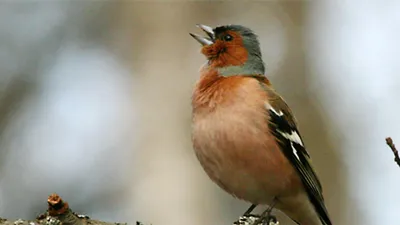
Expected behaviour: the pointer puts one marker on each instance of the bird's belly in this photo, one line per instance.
(240, 156)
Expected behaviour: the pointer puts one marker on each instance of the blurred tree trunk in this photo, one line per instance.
(166, 189)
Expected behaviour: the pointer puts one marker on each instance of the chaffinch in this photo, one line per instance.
(245, 135)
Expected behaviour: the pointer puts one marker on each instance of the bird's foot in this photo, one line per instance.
(252, 219)
(266, 220)
(271, 220)
(247, 219)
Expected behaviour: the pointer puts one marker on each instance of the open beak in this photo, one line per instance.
(204, 40)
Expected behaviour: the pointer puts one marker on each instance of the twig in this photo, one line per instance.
(390, 143)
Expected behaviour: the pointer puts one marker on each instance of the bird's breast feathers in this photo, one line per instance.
(233, 143)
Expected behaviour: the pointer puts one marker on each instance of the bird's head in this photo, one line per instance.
(232, 49)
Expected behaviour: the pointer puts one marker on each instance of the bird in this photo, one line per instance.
(244, 134)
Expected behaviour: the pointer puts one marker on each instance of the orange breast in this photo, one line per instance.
(233, 144)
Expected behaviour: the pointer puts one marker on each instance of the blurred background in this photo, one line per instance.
(95, 105)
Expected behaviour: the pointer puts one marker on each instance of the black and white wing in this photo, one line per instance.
(283, 126)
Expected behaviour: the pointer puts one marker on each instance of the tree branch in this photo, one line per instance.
(59, 213)
(390, 143)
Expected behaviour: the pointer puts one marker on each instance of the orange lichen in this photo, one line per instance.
(56, 205)
(226, 53)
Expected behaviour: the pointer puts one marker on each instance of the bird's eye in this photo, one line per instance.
(228, 37)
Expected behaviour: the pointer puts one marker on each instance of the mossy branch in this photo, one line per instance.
(59, 213)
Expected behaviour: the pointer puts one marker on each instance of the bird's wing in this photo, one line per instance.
(284, 127)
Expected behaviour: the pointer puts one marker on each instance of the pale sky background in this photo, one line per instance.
(95, 105)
